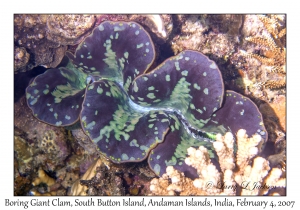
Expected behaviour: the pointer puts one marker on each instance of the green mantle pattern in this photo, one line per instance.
(132, 113)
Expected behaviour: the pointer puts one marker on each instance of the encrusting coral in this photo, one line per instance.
(21, 59)
(210, 34)
(69, 29)
(23, 154)
(242, 172)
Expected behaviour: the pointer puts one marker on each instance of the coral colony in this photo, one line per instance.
(132, 113)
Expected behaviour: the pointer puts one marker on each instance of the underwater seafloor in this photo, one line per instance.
(250, 52)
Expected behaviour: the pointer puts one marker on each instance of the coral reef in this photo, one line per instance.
(69, 29)
(21, 59)
(249, 50)
(98, 181)
(273, 50)
(261, 58)
(30, 35)
(47, 143)
(277, 113)
(22, 185)
(243, 173)
(77, 188)
(211, 34)
(54, 144)
(84, 141)
(260, 62)
(23, 154)
(42, 39)
(41, 148)
(106, 178)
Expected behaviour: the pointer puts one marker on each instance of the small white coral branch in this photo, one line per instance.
(208, 172)
(273, 180)
(253, 176)
(224, 147)
(179, 184)
(247, 147)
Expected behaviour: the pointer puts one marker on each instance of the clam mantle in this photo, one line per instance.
(132, 112)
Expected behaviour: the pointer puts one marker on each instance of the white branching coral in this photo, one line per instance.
(224, 147)
(207, 171)
(179, 184)
(243, 170)
(247, 147)
(175, 183)
(273, 180)
(251, 177)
